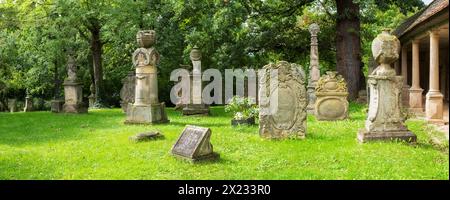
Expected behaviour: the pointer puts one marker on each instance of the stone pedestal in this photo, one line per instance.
(415, 100)
(434, 107)
(146, 108)
(57, 106)
(385, 121)
(331, 103)
(73, 95)
(28, 104)
(146, 114)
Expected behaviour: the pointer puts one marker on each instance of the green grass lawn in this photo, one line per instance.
(43, 145)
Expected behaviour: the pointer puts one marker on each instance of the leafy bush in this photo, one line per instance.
(242, 108)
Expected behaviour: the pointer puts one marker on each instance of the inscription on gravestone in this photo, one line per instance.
(194, 144)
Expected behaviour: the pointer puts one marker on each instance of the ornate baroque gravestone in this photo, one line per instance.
(146, 108)
(283, 105)
(314, 72)
(73, 90)
(196, 106)
(128, 90)
(194, 144)
(331, 102)
(385, 120)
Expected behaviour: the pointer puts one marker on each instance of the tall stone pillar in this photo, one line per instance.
(314, 72)
(146, 108)
(385, 120)
(434, 98)
(92, 96)
(73, 91)
(196, 105)
(415, 92)
(405, 91)
(28, 103)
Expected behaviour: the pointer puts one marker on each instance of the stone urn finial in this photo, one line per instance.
(146, 38)
(385, 50)
(196, 54)
(314, 29)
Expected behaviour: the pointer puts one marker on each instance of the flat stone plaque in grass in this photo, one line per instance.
(194, 145)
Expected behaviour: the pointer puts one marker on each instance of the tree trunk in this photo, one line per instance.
(97, 51)
(348, 45)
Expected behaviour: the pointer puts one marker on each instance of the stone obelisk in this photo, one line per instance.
(146, 108)
(196, 105)
(314, 72)
(385, 121)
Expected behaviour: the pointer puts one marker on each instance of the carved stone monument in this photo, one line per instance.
(282, 105)
(331, 93)
(12, 105)
(385, 120)
(194, 144)
(314, 72)
(146, 108)
(196, 106)
(73, 92)
(128, 90)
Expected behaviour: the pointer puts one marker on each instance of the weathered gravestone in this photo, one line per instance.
(385, 120)
(91, 97)
(331, 93)
(57, 106)
(12, 105)
(128, 90)
(282, 106)
(146, 108)
(73, 91)
(194, 145)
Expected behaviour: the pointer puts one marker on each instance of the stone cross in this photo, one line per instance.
(314, 72)
(385, 120)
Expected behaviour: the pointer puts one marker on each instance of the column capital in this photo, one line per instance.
(434, 31)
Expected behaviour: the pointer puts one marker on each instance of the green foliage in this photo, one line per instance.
(242, 108)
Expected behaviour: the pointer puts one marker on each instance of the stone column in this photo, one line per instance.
(28, 104)
(385, 121)
(146, 108)
(397, 67)
(91, 96)
(434, 98)
(405, 90)
(314, 72)
(415, 93)
(196, 105)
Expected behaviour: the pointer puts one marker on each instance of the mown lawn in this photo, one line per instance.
(43, 145)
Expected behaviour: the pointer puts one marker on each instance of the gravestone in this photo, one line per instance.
(73, 91)
(146, 108)
(331, 93)
(57, 106)
(385, 121)
(128, 90)
(196, 106)
(282, 106)
(314, 72)
(194, 144)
